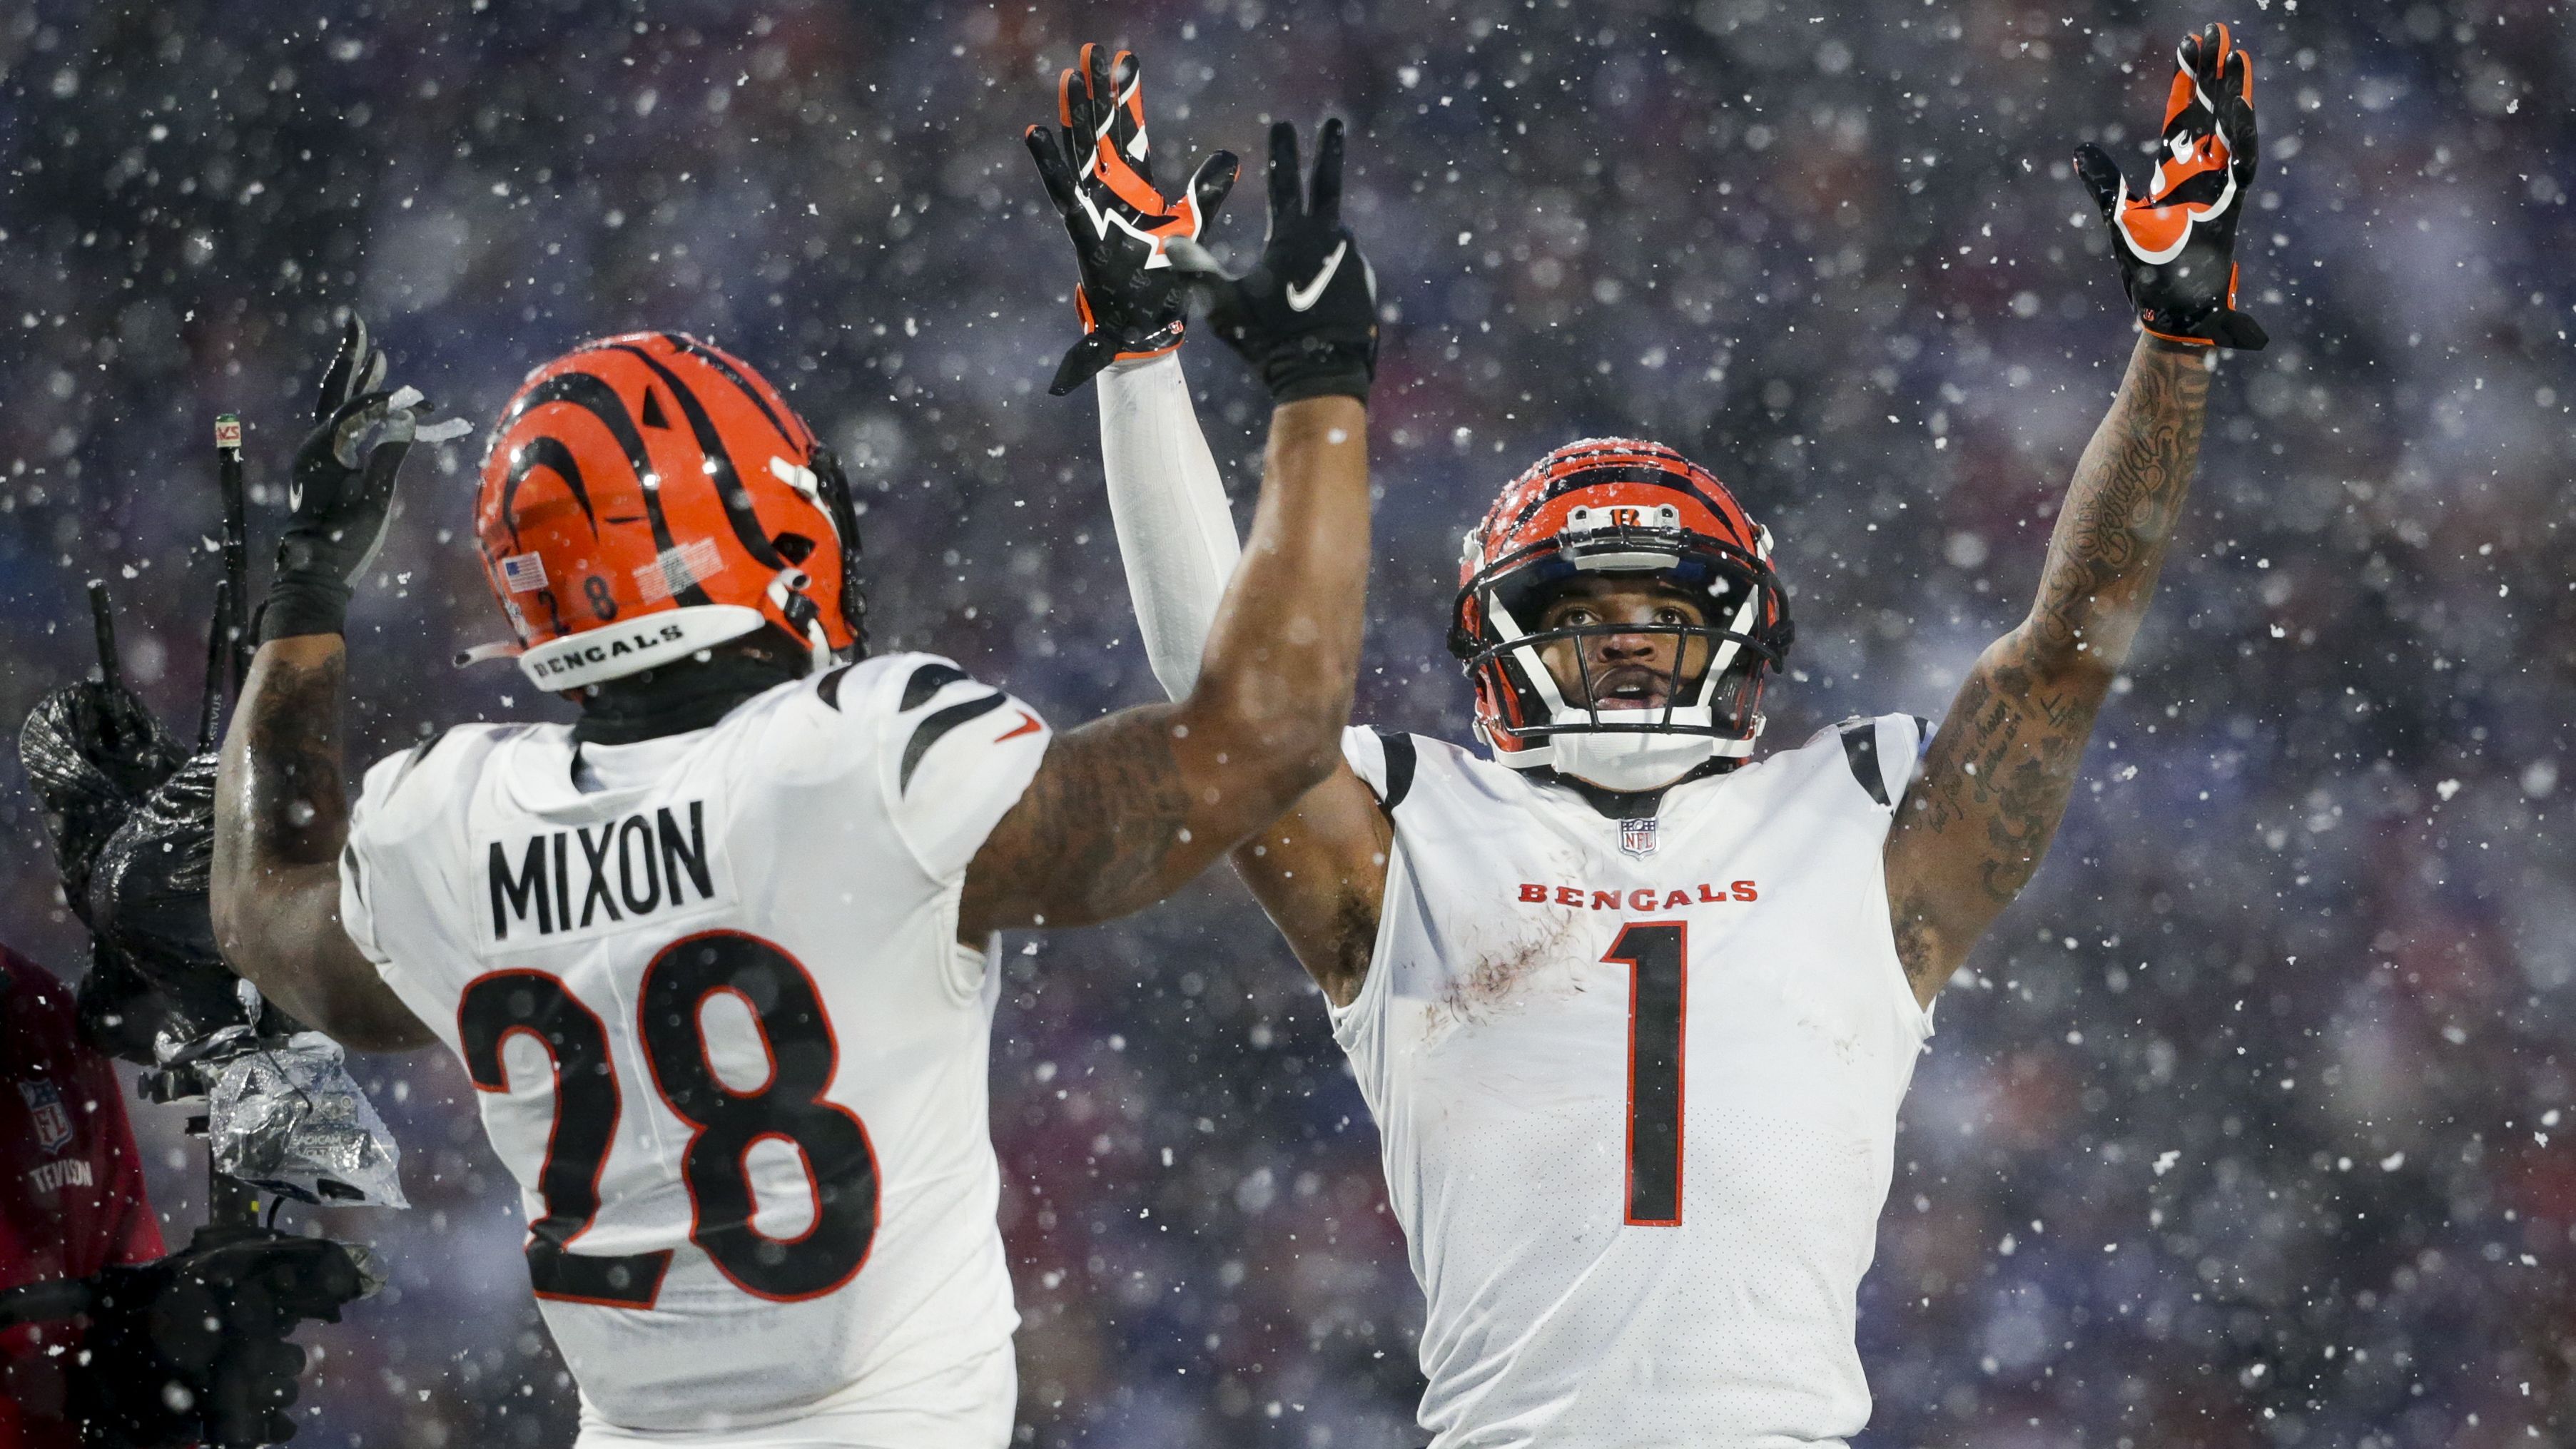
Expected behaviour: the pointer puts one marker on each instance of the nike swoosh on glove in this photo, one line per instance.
(2176, 239)
(1305, 316)
(1099, 172)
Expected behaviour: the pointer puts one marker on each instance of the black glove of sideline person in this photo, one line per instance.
(193, 1348)
(340, 495)
(1305, 316)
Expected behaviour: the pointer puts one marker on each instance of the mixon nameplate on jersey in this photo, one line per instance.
(585, 880)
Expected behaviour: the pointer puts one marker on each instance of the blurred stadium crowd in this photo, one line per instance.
(2246, 1125)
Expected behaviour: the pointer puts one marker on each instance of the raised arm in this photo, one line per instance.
(1971, 830)
(1320, 870)
(1175, 532)
(281, 792)
(281, 816)
(1125, 810)
(1994, 783)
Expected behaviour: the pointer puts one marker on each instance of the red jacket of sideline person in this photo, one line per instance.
(71, 1188)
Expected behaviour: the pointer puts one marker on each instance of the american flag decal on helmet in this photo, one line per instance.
(523, 573)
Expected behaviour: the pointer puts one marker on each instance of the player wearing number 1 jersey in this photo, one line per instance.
(1634, 1008)
(717, 956)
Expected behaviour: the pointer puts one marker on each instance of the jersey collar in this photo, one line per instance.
(1633, 804)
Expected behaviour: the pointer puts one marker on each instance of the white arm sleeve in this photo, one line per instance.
(1174, 533)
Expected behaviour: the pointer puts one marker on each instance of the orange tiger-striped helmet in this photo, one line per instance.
(647, 496)
(1618, 506)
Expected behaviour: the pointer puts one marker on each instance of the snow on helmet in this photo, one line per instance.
(647, 496)
(1618, 506)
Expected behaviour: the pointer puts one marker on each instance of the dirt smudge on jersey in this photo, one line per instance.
(1825, 1011)
(1497, 981)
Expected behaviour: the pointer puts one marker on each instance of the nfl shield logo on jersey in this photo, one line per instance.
(45, 1109)
(1637, 837)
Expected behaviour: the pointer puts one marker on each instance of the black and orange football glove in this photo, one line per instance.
(1100, 173)
(2177, 240)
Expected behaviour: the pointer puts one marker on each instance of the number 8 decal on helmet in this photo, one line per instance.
(647, 497)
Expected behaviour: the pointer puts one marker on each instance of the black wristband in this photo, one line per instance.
(1353, 385)
(1318, 369)
(304, 603)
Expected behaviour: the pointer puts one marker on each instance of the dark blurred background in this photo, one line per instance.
(2244, 1127)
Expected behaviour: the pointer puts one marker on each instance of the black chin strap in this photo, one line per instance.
(1634, 804)
(677, 698)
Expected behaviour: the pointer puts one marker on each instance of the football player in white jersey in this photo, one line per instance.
(717, 957)
(1633, 1008)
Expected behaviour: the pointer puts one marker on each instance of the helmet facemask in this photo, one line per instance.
(1711, 687)
(820, 482)
(842, 508)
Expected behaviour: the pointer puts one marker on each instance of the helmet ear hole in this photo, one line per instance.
(800, 610)
(793, 547)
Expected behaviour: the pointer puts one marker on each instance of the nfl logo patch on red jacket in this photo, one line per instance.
(46, 1113)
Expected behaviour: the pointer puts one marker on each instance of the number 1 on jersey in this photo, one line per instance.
(1653, 952)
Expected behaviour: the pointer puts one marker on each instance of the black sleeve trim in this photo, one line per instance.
(1860, 750)
(926, 681)
(412, 759)
(937, 725)
(830, 689)
(1399, 767)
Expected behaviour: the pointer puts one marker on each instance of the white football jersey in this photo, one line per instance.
(1637, 1085)
(725, 1038)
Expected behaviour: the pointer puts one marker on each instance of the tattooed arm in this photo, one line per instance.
(1125, 810)
(1994, 783)
(281, 816)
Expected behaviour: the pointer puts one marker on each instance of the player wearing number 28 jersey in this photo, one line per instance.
(729, 1040)
(1635, 1009)
(716, 956)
